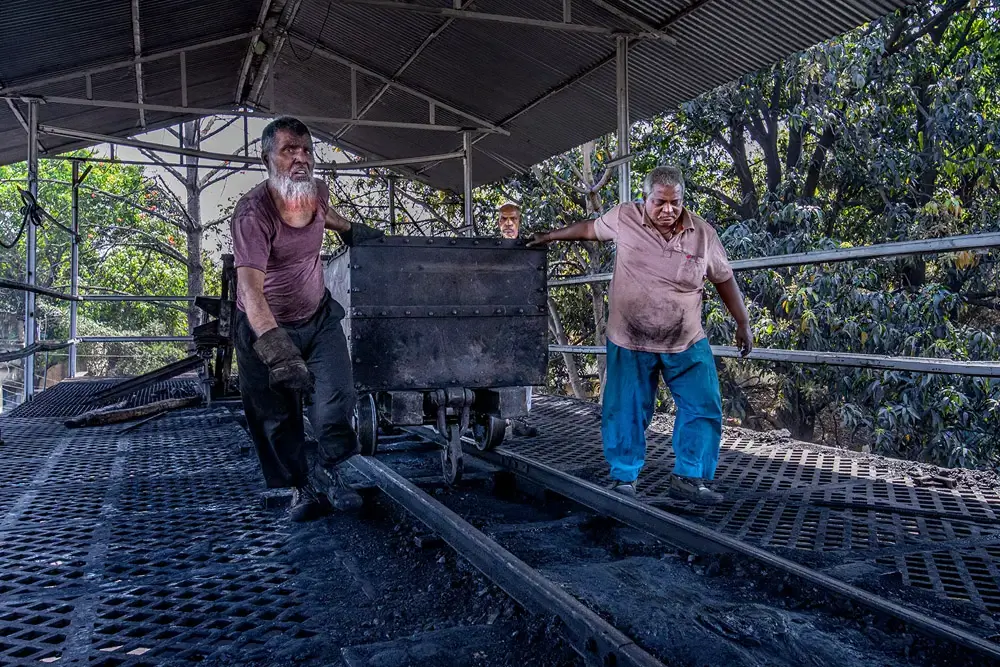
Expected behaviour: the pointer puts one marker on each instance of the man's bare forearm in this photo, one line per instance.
(580, 231)
(733, 298)
(251, 286)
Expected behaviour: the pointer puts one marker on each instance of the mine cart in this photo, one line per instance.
(445, 332)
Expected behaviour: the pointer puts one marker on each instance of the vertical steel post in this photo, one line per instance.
(467, 178)
(29, 297)
(624, 128)
(392, 204)
(74, 264)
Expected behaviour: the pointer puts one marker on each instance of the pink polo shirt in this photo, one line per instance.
(658, 285)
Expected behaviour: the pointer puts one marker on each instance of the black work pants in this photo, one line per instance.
(274, 417)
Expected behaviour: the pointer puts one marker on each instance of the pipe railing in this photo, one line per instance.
(983, 241)
(29, 350)
(873, 361)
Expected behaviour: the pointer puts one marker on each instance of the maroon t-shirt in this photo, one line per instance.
(289, 256)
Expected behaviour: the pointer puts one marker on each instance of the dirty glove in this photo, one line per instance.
(359, 233)
(287, 370)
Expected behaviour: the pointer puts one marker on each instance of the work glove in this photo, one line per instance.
(359, 233)
(287, 370)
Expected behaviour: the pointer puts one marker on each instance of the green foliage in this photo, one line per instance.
(887, 133)
(130, 244)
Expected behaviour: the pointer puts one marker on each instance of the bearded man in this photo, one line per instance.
(290, 345)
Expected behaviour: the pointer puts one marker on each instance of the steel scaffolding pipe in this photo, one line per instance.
(204, 111)
(136, 339)
(624, 127)
(30, 277)
(896, 249)
(988, 369)
(241, 159)
(467, 181)
(135, 298)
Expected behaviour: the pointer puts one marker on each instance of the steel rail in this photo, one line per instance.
(989, 369)
(694, 537)
(593, 637)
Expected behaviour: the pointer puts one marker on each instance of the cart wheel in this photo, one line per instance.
(488, 433)
(366, 424)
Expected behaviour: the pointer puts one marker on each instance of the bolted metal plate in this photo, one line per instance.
(143, 548)
(431, 313)
(845, 506)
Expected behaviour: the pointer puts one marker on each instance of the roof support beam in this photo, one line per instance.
(265, 6)
(184, 80)
(696, 5)
(241, 159)
(202, 111)
(278, 33)
(514, 20)
(90, 71)
(624, 126)
(137, 48)
(459, 4)
(325, 52)
(611, 8)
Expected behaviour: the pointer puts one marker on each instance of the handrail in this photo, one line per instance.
(989, 369)
(42, 346)
(25, 287)
(894, 249)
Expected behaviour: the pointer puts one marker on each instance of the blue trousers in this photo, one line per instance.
(629, 399)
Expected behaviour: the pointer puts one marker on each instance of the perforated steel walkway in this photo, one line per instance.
(135, 549)
(152, 546)
(865, 518)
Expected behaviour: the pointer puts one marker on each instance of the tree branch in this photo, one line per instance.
(160, 162)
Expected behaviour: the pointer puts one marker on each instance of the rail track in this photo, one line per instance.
(560, 565)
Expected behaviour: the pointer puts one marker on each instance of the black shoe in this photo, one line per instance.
(520, 428)
(306, 505)
(694, 490)
(626, 489)
(340, 493)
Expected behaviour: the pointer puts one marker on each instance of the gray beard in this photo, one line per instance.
(294, 194)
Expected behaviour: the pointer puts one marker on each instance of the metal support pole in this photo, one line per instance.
(184, 79)
(467, 178)
(29, 297)
(74, 264)
(621, 90)
(392, 204)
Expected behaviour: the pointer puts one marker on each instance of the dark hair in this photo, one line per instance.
(664, 175)
(287, 123)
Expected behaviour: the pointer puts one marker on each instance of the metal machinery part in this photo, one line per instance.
(211, 339)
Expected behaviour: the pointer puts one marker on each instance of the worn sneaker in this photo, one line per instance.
(694, 490)
(341, 495)
(306, 505)
(626, 489)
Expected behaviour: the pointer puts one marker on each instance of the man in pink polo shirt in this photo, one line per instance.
(664, 252)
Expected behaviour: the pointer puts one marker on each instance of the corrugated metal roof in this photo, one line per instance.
(552, 90)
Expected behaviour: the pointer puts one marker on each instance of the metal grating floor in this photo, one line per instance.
(840, 506)
(73, 397)
(137, 549)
